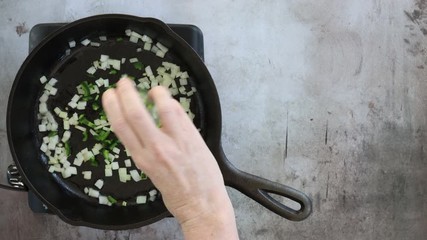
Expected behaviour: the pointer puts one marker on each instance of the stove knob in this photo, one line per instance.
(14, 178)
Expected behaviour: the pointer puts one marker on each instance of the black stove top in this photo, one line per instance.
(190, 33)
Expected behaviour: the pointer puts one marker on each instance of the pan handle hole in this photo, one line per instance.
(286, 201)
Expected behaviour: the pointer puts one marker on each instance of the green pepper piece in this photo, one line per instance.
(143, 176)
(111, 199)
(95, 106)
(67, 148)
(87, 98)
(85, 88)
(53, 133)
(106, 154)
(138, 65)
(93, 162)
(86, 122)
(113, 144)
(85, 135)
(102, 135)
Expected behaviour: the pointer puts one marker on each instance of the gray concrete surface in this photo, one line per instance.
(345, 79)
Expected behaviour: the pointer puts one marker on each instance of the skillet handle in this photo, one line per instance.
(260, 190)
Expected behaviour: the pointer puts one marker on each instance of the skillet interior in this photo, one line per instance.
(62, 197)
(70, 71)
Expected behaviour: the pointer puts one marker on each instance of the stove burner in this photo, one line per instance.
(190, 33)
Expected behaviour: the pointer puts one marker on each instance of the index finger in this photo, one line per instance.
(135, 112)
(172, 116)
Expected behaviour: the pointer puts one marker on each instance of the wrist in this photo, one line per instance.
(211, 219)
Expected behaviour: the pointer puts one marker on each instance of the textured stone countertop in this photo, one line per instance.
(345, 81)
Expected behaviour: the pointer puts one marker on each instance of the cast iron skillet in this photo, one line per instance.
(62, 197)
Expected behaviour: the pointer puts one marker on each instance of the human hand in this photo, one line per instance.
(175, 158)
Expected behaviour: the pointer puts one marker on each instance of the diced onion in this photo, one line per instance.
(66, 124)
(183, 81)
(133, 39)
(152, 192)
(99, 82)
(81, 105)
(69, 171)
(93, 193)
(141, 199)
(85, 42)
(128, 163)
(155, 49)
(78, 162)
(91, 70)
(93, 134)
(43, 108)
(95, 44)
(108, 172)
(114, 63)
(99, 183)
(66, 136)
(53, 91)
(181, 90)
(122, 174)
(75, 98)
(184, 75)
(104, 58)
(72, 44)
(127, 153)
(43, 147)
(67, 164)
(48, 87)
(87, 175)
(135, 34)
(43, 79)
(114, 165)
(44, 98)
(116, 150)
(135, 175)
(72, 104)
(58, 168)
(146, 39)
(103, 200)
(80, 128)
(162, 47)
(148, 71)
(63, 115)
(160, 54)
(42, 128)
(147, 46)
